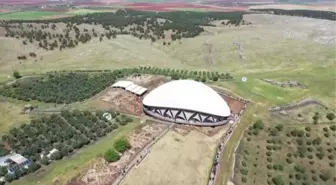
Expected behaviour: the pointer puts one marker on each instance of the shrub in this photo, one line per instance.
(244, 179)
(298, 176)
(310, 156)
(325, 129)
(332, 164)
(289, 160)
(320, 155)
(278, 180)
(308, 129)
(324, 176)
(330, 116)
(311, 162)
(329, 150)
(16, 74)
(314, 178)
(269, 166)
(244, 171)
(268, 153)
(326, 135)
(333, 127)
(248, 139)
(290, 176)
(244, 163)
(331, 157)
(111, 155)
(259, 125)
(122, 145)
(310, 149)
(300, 168)
(307, 135)
(279, 127)
(269, 159)
(312, 171)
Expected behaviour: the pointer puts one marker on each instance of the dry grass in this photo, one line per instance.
(177, 159)
(263, 45)
(11, 116)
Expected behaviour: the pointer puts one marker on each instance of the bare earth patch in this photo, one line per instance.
(178, 158)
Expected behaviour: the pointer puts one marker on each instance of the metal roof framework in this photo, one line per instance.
(130, 86)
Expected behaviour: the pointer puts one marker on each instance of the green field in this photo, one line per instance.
(71, 166)
(28, 15)
(86, 11)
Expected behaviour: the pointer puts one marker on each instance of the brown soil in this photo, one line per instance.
(2, 31)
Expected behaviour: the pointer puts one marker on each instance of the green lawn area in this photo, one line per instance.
(87, 11)
(27, 15)
(69, 167)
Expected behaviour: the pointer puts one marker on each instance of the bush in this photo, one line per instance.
(326, 135)
(320, 155)
(244, 179)
(111, 156)
(298, 176)
(310, 149)
(259, 125)
(333, 127)
(33, 167)
(269, 159)
(279, 127)
(308, 129)
(278, 180)
(325, 129)
(332, 164)
(16, 74)
(324, 176)
(122, 145)
(268, 153)
(289, 160)
(331, 157)
(330, 116)
(300, 168)
(244, 163)
(314, 178)
(244, 171)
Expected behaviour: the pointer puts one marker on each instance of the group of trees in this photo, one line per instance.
(304, 149)
(141, 24)
(120, 146)
(68, 87)
(302, 13)
(67, 131)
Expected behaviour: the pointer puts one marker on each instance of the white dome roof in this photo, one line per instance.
(188, 95)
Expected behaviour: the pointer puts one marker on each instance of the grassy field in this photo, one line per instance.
(11, 116)
(177, 159)
(84, 11)
(71, 166)
(263, 46)
(27, 15)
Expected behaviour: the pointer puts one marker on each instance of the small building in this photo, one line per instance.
(14, 161)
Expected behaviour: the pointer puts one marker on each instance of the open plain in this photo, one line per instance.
(281, 48)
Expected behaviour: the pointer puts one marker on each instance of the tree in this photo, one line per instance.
(278, 180)
(258, 125)
(330, 116)
(16, 74)
(3, 170)
(111, 156)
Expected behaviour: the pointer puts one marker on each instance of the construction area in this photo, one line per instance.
(103, 173)
(126, 96)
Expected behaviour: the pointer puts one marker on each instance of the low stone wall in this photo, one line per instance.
(295, 105)
(290, 83)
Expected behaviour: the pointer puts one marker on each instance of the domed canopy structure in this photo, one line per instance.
(187, 101)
